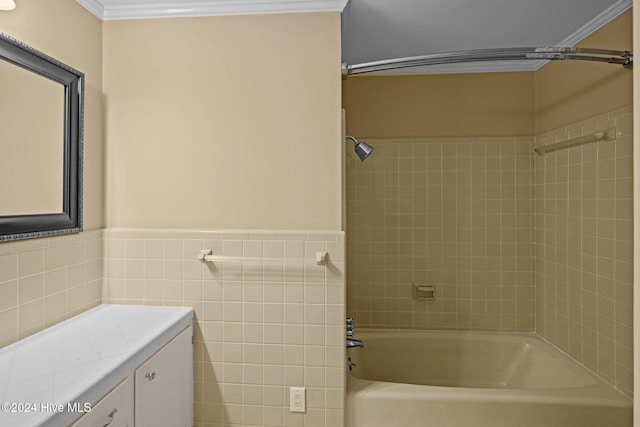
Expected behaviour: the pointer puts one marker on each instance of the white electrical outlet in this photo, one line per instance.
(297, 401)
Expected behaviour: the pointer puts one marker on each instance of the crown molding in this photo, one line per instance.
(176, 8)
(93, 6)
(598, 22)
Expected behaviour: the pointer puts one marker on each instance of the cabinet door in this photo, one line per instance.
(113, 410)
(164, 385)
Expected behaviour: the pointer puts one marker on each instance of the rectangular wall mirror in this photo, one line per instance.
(41, 140)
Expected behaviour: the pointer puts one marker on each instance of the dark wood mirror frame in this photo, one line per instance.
(69, 220)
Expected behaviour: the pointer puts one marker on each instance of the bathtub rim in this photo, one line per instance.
(599, 392)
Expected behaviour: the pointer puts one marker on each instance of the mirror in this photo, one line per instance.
(41, 138)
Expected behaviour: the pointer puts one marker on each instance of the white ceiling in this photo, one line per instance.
(384, 29)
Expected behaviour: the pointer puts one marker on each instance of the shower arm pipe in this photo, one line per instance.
(624, 58)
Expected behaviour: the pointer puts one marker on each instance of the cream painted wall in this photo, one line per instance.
(224, 122)
(570, 91)
(439, 105)
(66, 31)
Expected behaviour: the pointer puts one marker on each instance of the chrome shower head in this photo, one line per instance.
(362, 149)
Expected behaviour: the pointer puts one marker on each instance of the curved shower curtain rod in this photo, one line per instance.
(620, 57)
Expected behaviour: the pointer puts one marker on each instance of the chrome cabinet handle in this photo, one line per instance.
(150, 375)
(111, 415)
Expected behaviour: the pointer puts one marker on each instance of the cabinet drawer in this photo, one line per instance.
(113, 410)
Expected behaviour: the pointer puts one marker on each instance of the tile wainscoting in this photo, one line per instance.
(47, 280)
(263, 324)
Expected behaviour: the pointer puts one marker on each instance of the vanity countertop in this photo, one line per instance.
(79, 360)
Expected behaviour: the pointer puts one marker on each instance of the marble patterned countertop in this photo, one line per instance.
(79, 360)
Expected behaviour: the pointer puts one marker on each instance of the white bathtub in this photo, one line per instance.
(458, 379)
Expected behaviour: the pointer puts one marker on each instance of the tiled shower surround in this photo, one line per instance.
(455, 213)
(584, 248)
(263, 324)
(512, 241)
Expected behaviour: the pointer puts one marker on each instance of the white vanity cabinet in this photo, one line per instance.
(158, 393)
(113, 365)
(164, 385)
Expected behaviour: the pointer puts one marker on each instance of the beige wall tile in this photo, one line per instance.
(44, 281)
(8, 326)
(8, 264)
(452, 223)
(596, 202)
(262, 326)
